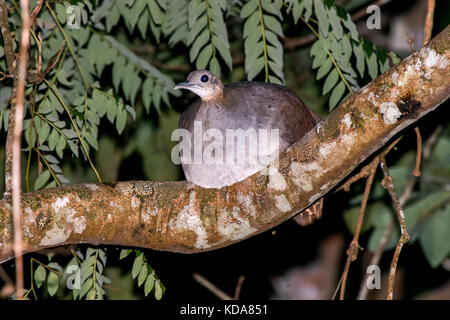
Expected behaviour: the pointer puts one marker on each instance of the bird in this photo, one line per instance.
(236, 110)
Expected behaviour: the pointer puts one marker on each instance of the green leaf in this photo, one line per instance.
(42, 179)
(331, 81)
(435, 238)
(53, 139)
(155, 11)
(52, 283)
(271, 8)
(111, 110)
(39, 276)
(308, 9)
(335, 22)
(251, 24)
(55, 266)
(336, 95)
(372, 65)
(322, 16)
(324, 68)
(73, 147)
(149, 283)
(60, 146)
(360, 58)
(87, 285)
(200, 41)
(91, 140)
(158, 290)
(223, 49)
(44, 132)
(51, 159)
(275, 55)
(350, 25)
(143, 23)
(60, 11)
(423, 207)
(273, 24)
(255, 67)
(70, 133)
(124, 253)
(91, 294)
(142, 275)
(121, 120)
(381, 219)
(249, 8)
(147, 89)
(214, 66)
(137, 265)
(204, 57)
(319, 59)
(118, 72)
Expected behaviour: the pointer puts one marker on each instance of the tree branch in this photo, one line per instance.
(182, 217)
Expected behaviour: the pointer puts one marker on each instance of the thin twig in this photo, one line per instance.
(387, 183)
(428, 28)
(211, 287)
(375, 260)
(7, 38)
(17, 138)
(237, 291)
(403, 199)
(36, 11)
(352, 252)
(416, 171)
(365, 171)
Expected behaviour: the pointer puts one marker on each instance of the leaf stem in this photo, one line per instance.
(55, 91)
(330, 55)
(75, 58)
(58, 183)
(266, 64)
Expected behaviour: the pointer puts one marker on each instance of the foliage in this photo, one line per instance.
(261, 30)
(144, 274)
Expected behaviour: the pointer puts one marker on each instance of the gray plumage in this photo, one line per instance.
(242, 105)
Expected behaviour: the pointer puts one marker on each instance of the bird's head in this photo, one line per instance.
(204, 84)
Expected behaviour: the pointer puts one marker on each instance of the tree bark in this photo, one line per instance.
(182, 217)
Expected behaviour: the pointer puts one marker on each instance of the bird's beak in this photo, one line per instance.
(183, 85)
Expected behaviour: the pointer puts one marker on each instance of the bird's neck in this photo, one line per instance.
(213, 96)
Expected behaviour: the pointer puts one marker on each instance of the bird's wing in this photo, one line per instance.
(187, 117)
(265, 105)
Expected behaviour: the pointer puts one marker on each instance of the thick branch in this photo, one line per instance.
(181, 217)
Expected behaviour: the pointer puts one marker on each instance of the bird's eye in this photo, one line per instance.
(204, 78)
